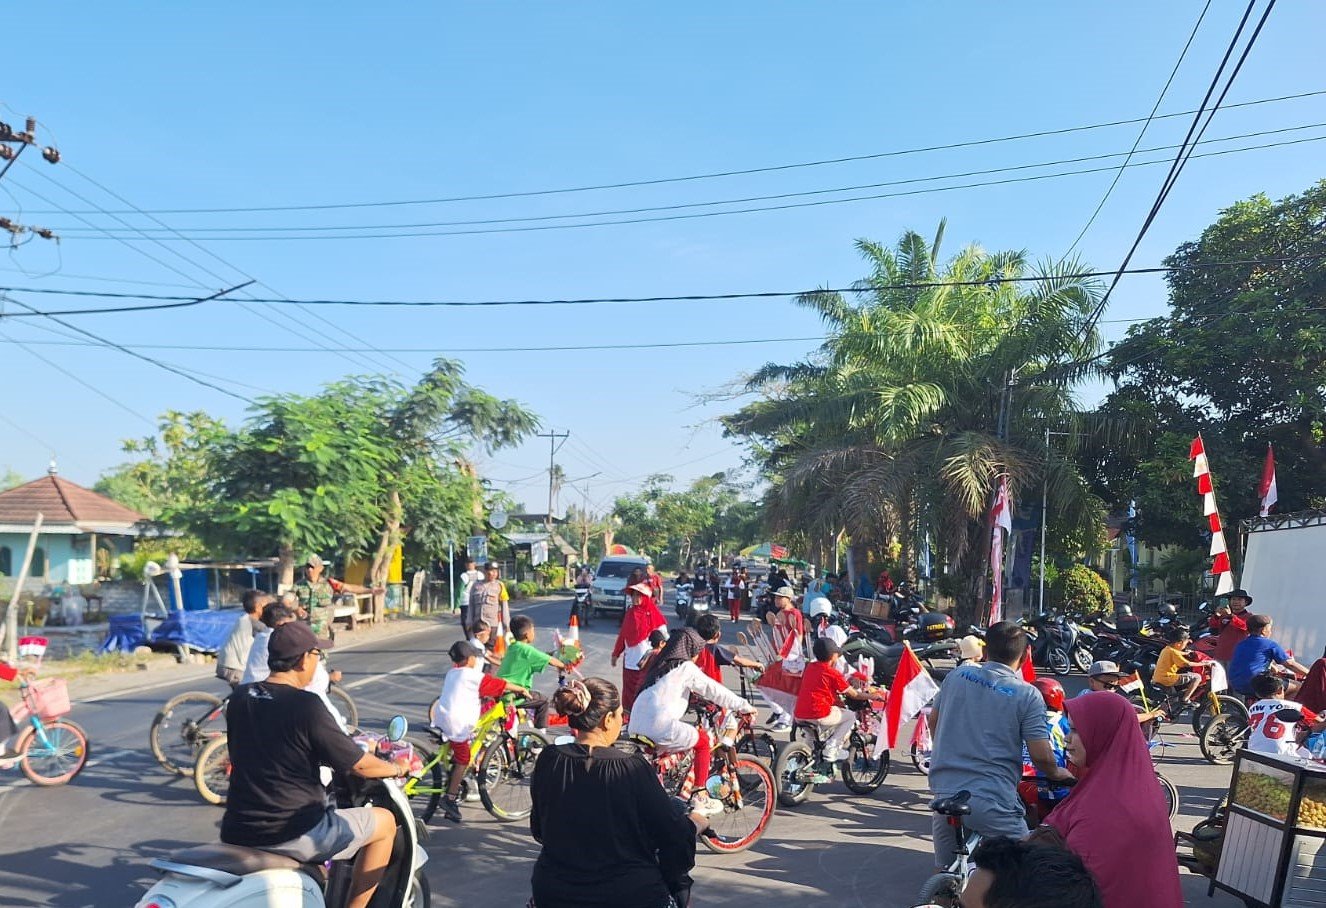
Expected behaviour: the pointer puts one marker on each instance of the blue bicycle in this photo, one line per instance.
(51, 750)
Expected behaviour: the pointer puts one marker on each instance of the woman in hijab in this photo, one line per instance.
(610, 833)
(641, 619)
(665, 694)
(1116, 819)
(1312, 693)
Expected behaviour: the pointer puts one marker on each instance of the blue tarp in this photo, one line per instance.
(205, 630)
(125, 633)
(193, 587)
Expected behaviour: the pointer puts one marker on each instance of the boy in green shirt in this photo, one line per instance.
(523, 661)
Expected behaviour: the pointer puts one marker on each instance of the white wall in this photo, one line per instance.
(1285, 572)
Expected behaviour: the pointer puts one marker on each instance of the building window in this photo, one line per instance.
(6, 561)
(38, 563)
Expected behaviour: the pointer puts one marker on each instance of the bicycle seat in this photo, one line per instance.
(956, 806)
(807, 725)
(234, 860)
(644, 741)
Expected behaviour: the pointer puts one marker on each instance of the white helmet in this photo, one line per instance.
(820, 606)
(836, 634)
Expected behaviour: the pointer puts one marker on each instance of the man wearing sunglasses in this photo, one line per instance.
(279, 734)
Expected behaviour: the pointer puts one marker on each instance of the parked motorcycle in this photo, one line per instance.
(228, 876)
(1053, 640)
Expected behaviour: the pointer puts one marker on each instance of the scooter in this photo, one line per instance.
(229, 876)
(699, 605)
(685, 593)
(583, 607)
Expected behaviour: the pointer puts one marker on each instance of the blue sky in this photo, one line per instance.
(246, 104)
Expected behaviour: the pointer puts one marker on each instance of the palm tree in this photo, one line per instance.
(935, 381)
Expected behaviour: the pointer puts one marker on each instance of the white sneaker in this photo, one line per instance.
(704, 805)
(780, 724)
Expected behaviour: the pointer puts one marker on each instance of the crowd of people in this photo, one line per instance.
(1100, 831)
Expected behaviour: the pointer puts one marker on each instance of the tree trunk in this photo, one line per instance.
(287, 565)
(388, 540)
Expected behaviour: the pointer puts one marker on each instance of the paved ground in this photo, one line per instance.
(88, 844)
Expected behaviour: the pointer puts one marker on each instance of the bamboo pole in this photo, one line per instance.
(11, 617)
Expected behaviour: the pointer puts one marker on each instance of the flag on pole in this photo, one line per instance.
(1220, 566)
(1001, 519)
(913, 689)
(1267, 491)
(1028, 667)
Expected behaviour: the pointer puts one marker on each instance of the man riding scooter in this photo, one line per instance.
(279, 734)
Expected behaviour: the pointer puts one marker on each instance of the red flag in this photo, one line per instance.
(1196, 448)
(1267, 491)
(912, 689)
(1204, 484)
(1221, 564)
(1028, 667)
(1214, 522)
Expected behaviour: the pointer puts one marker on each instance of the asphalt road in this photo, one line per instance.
(88, 844)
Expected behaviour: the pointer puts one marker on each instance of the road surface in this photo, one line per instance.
(88, 844)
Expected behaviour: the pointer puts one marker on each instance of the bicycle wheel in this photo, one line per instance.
(345, 705)
(211, 773)
(861, 774)
(420, 894)
(792, 772)
(1222, 738)
(942, 889)
(759, 744)
(1171, 794)
(746, 814)
(59, 758)
(177, 731)
(425, 793)
(505, 771)
(1227, 705)
(921, 758)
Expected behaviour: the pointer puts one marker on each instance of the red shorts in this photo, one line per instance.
(460, 753)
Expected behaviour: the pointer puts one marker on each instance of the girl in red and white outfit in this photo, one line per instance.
(734, 589)
(641, 619)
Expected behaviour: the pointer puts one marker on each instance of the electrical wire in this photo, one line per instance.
(686, 178)
(711, 214)
(111, 399)
(697, 297)
(1109, 190)
(221, 232)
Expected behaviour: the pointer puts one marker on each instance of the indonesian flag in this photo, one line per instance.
(1201, 471)
(912, 691)
(1028, 667)
(1267, 491)
(1001, 516)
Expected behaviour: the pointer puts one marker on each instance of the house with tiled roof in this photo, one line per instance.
(80, 529)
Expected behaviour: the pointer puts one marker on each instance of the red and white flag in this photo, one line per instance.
(1201, 471)
(913, 689)
(1001, 519)
(1267, 491)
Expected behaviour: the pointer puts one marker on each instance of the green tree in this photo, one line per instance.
(1240, 358)
(170, 472)
(10, 478)
(922, 397)
(673, 526)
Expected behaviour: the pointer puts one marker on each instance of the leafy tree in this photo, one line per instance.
(922, 397)
(1081, 589)
(10, 478)
(673, 526)
(1241, 358)
(170, 473)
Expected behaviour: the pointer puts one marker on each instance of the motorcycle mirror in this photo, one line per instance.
(397, 728)
(1289, 716)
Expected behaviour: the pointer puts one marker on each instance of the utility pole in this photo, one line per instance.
(12, 145)
(553, 448)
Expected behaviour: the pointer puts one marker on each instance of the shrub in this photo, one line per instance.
(512, 589)
(1083, 590)
(527, 588)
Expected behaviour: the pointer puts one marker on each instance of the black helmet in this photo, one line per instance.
(1168, 610)
(1124, 611)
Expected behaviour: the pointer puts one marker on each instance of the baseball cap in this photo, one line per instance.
(1104, 667)
(785, 592)
(825, 647)
(642, 588)
(314, 561)
(290, 641)
(493, 566)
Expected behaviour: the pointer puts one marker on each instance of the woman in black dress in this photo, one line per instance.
(610, 834)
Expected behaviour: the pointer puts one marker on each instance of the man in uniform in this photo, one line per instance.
(488, 599)
(316, 592)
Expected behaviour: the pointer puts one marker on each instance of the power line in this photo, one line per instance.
(109, 398)
(1189, 141)
(697, 297)
(221, 232)
(104, 311)
(686, 178)
(1109, 190)
(711, 214)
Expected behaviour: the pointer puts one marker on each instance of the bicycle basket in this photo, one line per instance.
(50, 698)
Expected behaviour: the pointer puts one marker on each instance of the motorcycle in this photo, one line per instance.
(863, 640)
(583, 607)
(229, 876)
(1053, 640)
(685, 592)
(699, 604)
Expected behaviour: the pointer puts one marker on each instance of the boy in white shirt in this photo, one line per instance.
(1269, 735)
(480, 635)
(457, 711)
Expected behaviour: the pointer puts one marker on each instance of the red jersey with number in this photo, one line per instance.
(821, 684)
(1269, 735)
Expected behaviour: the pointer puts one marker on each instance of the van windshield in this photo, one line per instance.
(618, 569)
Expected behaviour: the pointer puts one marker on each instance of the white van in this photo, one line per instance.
(609, 588)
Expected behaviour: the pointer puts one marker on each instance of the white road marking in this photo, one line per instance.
(360, 682)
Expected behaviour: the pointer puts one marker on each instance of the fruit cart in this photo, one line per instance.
(1274, 851)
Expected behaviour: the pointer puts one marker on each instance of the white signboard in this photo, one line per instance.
(476, 548)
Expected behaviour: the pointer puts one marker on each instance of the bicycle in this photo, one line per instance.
(746, 789)
(502, 762)
(51, 750)
(188, 723)
(1209, 701)
(863, 771)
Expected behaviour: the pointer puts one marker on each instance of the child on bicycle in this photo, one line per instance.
(1171, 663)
(1052, 692)
(522, 662)
(457, 711)
(480, 635)
(1269, 735)
(664, 697)
(821, 686)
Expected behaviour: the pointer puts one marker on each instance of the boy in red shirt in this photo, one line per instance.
(821, 688)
